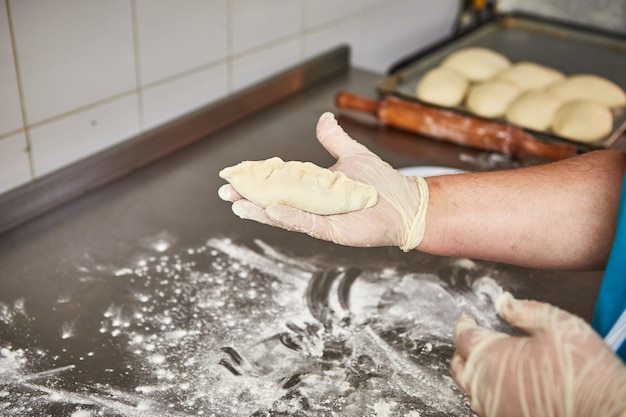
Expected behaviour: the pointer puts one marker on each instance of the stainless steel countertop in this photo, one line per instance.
(100, 296)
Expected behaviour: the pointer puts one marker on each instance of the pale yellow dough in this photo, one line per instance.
(443, 87)
(533, 110)
(590, 87)
(302, 185)
(530, 76)
(582, 121)
(491, 98)
(476, 63)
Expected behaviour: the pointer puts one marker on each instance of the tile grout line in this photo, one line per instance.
(72, 112)
(335, 21)
(136, 54)
(229, 47)
(20, 89)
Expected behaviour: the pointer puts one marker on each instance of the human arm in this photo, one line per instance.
(559, 215)
(560, 368)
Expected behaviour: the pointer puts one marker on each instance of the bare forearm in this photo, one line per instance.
(559, 215)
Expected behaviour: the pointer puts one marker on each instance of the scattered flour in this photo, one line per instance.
(229, 330)
(81, 413)
(489, 161)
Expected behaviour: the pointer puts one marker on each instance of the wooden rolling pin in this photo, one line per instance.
(454, 127)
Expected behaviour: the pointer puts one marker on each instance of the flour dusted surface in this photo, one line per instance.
(225, 329)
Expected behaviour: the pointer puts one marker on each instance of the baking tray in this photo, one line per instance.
(569, 48)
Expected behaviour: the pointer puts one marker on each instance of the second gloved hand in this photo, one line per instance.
(396, 220)
(561, 369)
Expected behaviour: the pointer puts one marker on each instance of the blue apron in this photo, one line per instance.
(610, 312)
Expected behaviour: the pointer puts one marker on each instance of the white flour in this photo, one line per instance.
(227, 330)
(489, 161)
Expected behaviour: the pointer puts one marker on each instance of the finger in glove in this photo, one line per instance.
(228, 193)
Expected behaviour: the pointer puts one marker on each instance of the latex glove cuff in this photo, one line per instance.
(418, 224)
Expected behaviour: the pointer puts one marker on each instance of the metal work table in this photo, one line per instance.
(148, 297)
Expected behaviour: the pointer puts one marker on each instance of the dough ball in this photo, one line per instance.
(491, 98)
(582, 121)
(476, 63)
(443, 87)
(533, 110)
(301, 185)
(590, 87)
(530, 76)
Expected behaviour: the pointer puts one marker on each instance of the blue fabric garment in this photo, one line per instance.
(611, 301)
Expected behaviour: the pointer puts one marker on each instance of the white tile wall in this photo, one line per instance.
(92, 73)
(260, 64)
(10, 108)
(83, 133)
(260, 22)
(14, 164)
(415, 25)
(351, 32)
(166, 101)
(72, 53)
(190, 33)
(323, 11)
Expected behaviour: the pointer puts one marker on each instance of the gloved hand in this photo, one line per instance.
(562, 368)
(396, 220)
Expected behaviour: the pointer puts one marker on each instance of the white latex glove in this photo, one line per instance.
(561, 369)
(396, 219)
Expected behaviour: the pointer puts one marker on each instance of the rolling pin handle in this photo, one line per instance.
(349, 101)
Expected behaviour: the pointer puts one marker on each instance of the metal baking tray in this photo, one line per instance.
(569, 48)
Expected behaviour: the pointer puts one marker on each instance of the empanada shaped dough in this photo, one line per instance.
(302, 185)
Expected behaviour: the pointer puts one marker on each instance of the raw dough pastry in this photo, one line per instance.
(582, 121)
(530, 76)
(302, 185)
(491, 98)
(533, 110)
(590, 87)
(476, 63)
(443, 87)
